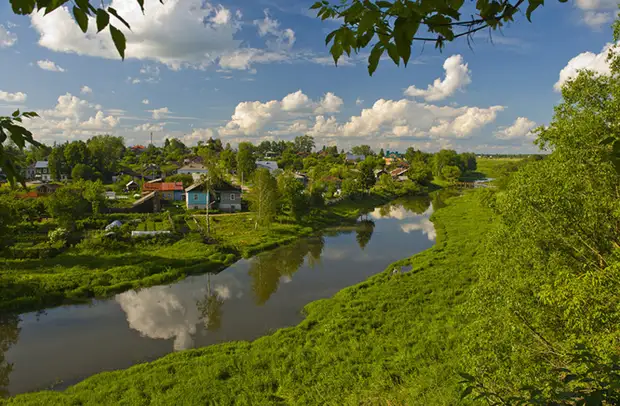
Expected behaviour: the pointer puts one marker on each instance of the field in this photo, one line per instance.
(389, 340)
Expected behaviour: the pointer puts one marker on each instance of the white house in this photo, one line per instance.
(192, 168)
(42, 172)
(270, 165)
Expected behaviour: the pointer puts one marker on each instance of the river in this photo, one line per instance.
(61, 346)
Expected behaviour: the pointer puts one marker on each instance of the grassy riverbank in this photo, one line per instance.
(393, 339)
(97, 271)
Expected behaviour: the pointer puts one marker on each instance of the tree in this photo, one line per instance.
(93, 192)
(420, 173)
(263, 197)
(396, 24)
(228, 159)
(366, 175)
(82, 172)
(451, 173)
(304, 144)
(386, 183)
(210, 180)
(445, 157)
(246, 161)
(381, 153)
(76, 152)
(57, 164)
(105, 152)
(210, 308)
(364, 150)
(468, 161)
(67, 205)
(291, 192)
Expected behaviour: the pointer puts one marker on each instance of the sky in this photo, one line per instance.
(258, 70)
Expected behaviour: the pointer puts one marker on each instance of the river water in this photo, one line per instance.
(62, 346)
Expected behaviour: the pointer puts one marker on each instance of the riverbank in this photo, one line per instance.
(388, 340)
(84, 273)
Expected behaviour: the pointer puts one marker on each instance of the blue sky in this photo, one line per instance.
(254, 70)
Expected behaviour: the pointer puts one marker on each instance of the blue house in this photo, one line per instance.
(226, 197)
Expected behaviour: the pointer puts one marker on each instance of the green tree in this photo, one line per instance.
(75, 153)
(420, 172)
(386, 183)
(445, 157)
(56, 162)
(364, 150)
(263, 197)
(82, 172)
(67, 204)
(246, 160)
(105, 152)
(292, 196)
(93, 192)
(468, 161)
(228, 159)
(366, 175)
(304, 144)
(451, 173)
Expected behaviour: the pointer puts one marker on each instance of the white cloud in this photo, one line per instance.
(17, 97)
(329, 104)
(521, 128)
(295, 101)
(160, 113)
(7, 38)
(145, 101)
(86, 90)
(457, 77)
(198, 134)
(150, 127)
(178, 33)
(50, 66)
(72, 118)
(585, 60)
(597, 13)
(359, 102)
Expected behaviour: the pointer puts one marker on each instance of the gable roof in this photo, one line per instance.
(193, 166)
(398, 171)
(41, 164)
(222, 186)
(163, 187)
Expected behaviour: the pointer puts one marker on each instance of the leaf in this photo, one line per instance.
(141, 3)
(115, 14)
(393, 53)
(103, 19)
(336, 51)
(119, 40)
(15, 113)
(532, 5)
(81, 18)
(83, 5)
(466, 392)
(373, 59)
(22, 7)
(330, 36)
(404, 30)
(316, 5)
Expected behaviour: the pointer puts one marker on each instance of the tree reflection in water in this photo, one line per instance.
(9, 332)
(267, 269)
(210, 308)
(364, 231)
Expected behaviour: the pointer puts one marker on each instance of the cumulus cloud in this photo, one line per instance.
(160, 113)
(585, 60)
(522, 127)
(86, 90)
(457, 77)
(7, 38)
(50, 66)
(150, 127)
(198, 134)
(17, 97)
(145, 101)
(330, 103)
(178, 33)
(72, 117)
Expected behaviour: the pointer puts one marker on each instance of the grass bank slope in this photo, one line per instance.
(393, 339)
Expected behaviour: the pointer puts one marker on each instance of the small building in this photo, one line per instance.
(226, 197)
(398, 172)
(150, 203)
(193, 168)
(271, 166)
(301, 177)
(46, 188)
(167, 190)
(131, 186)
(42, 171)
(354, 158)
(30, 171)
(379, 173)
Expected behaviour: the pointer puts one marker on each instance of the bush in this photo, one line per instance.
(59, 235)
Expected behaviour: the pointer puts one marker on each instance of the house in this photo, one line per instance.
(42, 171)
(226, 197)
(301, 177)
(399, 173)
(150, 203)
(193, 168)
(131, 185)
(269, 165)
(354, 158)
(137, 149)
(30, 171)
(379, 172)
(46, 188)
(167, 190)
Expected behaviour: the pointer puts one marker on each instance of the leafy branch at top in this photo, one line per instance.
(397, 24)
(11, 129)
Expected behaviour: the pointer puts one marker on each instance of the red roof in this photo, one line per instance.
(162, 187)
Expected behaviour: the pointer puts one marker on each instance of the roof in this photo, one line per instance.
(155, 180)
(398, 171)
(48, 186)
(271, 165)
(222, 186)
(193, 166)
(354, 157)
(131, 182)
(41, 164)
(163, 187)
(144, 199)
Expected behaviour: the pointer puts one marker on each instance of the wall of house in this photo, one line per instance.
(230, 201)
(196, 200)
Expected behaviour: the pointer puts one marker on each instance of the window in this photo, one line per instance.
(232, 196)
(195, 196)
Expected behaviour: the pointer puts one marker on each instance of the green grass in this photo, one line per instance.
(393, 339)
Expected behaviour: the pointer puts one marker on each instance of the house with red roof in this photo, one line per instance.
(166, 190)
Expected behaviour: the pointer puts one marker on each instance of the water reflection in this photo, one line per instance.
(210, 306)
(364, 232)
(9, 332)
(414, 215)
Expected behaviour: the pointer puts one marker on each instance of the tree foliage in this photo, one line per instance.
(392, 26)
(263, 197)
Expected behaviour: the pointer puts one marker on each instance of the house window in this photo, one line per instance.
(195, 196)
(232, 196)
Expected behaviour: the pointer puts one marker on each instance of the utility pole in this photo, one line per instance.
(151, 137)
